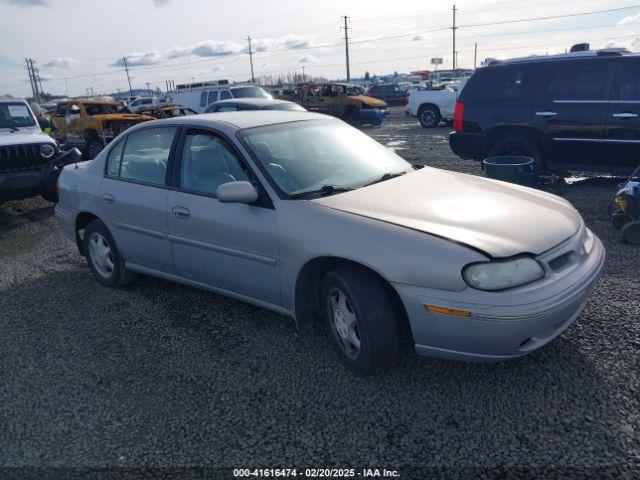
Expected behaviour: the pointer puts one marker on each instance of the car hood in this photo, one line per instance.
(370, 101)
(125, 117)
(497, 218)
(23, 138)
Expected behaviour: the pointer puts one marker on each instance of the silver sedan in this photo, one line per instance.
(304, 215)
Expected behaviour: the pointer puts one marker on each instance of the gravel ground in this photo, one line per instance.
(162, 375)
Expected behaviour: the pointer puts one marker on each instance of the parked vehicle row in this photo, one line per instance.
(290, 210)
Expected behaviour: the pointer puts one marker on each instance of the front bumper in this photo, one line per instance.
(373, 115)
(507, 324)
(19, 185)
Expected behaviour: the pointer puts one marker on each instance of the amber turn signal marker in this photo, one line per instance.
(447, 311)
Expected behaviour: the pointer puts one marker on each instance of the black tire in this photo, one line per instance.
(93, 147)
(119, 276)
(631, 233)
(521, 147)
(429, 116)
(377, 322)
(50, 196)
(352, 117)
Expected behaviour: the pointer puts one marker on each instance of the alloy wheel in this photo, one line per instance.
(101, 255)
(344, 323)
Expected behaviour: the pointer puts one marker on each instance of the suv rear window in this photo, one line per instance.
(500, 83)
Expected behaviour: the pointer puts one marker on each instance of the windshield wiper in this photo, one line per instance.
(324, 190)
(13, 129)
(385, 177)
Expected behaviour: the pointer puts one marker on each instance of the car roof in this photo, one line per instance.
(12, 100)
(589, 54)
(243, 119)
(256, 102)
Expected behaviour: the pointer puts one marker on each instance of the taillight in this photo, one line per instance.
(458, 116)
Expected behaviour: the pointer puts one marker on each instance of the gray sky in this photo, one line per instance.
(84, 40)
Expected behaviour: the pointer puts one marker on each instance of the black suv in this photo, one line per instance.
(391, 93)
(575, 111)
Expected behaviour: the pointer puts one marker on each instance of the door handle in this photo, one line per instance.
(625, 115)
(181, 213)
(108, 198)
(546, 114)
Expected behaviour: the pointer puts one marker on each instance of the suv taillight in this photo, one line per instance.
(458, 115)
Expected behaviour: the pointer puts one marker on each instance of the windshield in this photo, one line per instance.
(306, 156)
(100, 108)
(14, 115)
(249, 92)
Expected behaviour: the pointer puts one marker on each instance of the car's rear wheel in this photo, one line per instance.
(361, 319)
(429, 116)
(93, 147)
(103, 257)
(518, 146)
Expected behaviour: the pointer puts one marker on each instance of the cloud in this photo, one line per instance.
(27, 3)
(60, 62)
(161, 3)
(307, 60)
(214, 48)
(630, 20)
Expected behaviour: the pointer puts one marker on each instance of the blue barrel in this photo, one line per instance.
(518, 170)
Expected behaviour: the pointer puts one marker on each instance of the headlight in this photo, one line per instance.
(47, 150)
(502, 275)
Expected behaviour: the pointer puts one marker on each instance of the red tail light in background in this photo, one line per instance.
(458, 116)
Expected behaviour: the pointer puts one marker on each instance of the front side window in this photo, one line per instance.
(580, 80)
(629, 84)
(304, 157)
(207, 162)
(15, 114)
(146, 154)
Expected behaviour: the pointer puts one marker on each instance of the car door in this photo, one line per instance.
(229, 246)
(134, 196)
(571, 110)
(622, 141)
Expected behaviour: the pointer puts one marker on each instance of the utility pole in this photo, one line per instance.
(453, 28)
(28, 65)
(303, 75)
(253, 79)
(66, 85)
(126, 69)
(475, 56)
(346, 44)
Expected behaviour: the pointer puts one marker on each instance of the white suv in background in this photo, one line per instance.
(199, 98)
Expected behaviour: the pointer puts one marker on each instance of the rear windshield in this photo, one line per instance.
(14, 115)
(249, 92)
(500, 84)
(100, 108)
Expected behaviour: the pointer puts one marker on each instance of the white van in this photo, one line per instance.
(199, 96)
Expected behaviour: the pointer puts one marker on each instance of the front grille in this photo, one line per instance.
(559, 262)
(19, 158)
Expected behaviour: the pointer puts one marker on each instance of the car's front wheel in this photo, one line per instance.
(361, 319)
(103, 257)
(93, 147)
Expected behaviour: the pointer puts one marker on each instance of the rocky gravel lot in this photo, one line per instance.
(162, 375)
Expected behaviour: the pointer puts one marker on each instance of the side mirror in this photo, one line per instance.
(236, 192)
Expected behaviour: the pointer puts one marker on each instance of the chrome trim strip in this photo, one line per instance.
(223, 250)
(140, 230)
(595, 140)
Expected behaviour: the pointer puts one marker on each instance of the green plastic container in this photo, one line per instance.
(518, 170)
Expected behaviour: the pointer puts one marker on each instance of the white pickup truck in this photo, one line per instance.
(433, 106)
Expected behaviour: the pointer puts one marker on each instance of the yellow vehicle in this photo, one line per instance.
(167, 111)
(344, 101)
(91, 124)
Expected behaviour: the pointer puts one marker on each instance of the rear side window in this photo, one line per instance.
(113, 160)
(213, 97)
(579, 80)
(629, 83)
(203, 99)
(145, 155)
(225, 95)
(500, 84)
